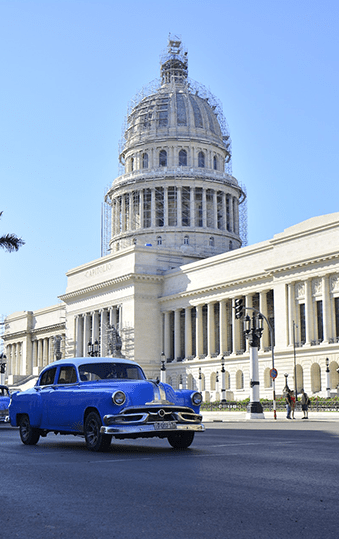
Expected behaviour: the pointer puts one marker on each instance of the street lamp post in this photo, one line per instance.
(93, 349)
(328, 384)
(295, 364)
(163, 369)
(253, 328)
(223, 384)
(200, 381)
(2, 368)
(286, 388)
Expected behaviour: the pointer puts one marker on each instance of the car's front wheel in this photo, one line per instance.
(180, 439)
(95, 441)
(28, 434)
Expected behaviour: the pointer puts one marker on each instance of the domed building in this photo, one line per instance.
(177, 262)
(177, 192)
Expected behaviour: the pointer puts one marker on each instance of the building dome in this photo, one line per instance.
(177, 191)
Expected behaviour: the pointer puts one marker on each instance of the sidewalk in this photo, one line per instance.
(281, 416)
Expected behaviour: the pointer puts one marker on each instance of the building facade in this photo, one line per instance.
(167, 289)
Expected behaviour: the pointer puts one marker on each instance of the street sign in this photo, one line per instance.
(273, 373)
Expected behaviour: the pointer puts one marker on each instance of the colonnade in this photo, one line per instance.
(94, 327)
(313, 311)
(30, 356)
(211, 329)
(181, 206)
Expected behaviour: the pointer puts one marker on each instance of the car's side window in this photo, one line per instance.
(48, 377)
(67, 375)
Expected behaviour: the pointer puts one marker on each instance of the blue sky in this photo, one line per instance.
(69, 69)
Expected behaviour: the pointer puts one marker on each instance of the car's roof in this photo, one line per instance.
(84, 360)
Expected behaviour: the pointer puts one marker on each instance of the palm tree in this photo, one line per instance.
(10, 242)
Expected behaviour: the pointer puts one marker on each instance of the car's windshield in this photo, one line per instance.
(110, 371)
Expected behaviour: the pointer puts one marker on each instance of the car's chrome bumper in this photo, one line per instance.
(156, 428)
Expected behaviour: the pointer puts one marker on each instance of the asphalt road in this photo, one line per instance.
(260, 480)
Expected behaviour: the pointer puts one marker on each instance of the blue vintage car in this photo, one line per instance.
(101, 398)
(4, 404)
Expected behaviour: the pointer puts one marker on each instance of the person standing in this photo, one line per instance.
(288, 404)
(305, 401)
(292, 395)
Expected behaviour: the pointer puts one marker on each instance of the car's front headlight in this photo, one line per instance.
(196, 398)
(119, 398)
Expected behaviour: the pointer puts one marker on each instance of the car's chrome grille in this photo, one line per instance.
(154, 414)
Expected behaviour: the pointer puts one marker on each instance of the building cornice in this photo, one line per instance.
(130, 277)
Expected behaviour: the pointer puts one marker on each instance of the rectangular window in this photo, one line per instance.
(210, 208)
(172, 206)
(198, 206)
(135, 210)
(320, 327)
(159, 206)
(228, 212)
(186, 206)
(147, 208)
(302, 323)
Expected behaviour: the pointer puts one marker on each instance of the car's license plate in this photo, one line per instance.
(165, 425)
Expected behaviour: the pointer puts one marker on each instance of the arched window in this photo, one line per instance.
(213, 379)
(132, 164)
(201, 159)
(267, 378)
(227, 380)
(334, 375)
(159, 240)
(162, 158)
(315, 378)
(186, 240)
(230, 245)
(300, 378)
(190, 382)
(182, 158)
(145, 160)
(215, 163)
(211, 241)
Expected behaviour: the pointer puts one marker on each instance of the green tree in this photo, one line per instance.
(10, 242)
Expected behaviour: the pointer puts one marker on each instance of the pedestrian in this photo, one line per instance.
(305, 402)
(288, 403)
(292, 404)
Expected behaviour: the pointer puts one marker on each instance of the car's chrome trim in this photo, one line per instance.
(187, 417)
(149, 428)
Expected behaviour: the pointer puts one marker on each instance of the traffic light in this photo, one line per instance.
(239, 308)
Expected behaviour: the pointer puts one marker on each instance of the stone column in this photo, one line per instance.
(326, 309)
(235, 329)
(231, 213)
(210, 330)
(177, 340)
(204, 213)
(40, 353)
(78, 337)
(50, 350)
(167, 339)
(179, 206)
(309, 320)
(35, 353)
(165, 205)
(103, 334)
(292, 315)
(224, 211)
(188, 332)
(192, 207)
(87, 335)
(223, 327)
(199, 331)
(265, 339)
(215, 209)
(153, 223)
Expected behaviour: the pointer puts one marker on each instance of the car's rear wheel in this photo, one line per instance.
(95, 441)
(180, 439)
(28, 434)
